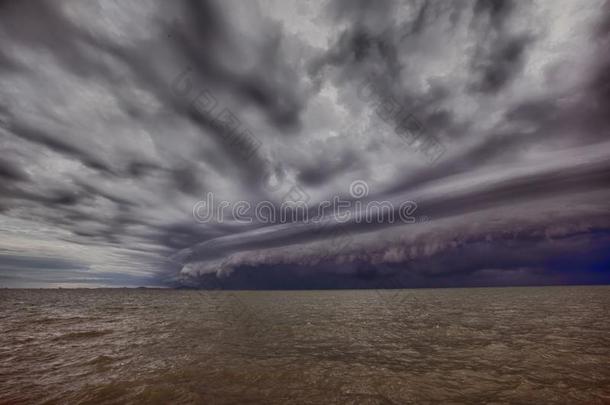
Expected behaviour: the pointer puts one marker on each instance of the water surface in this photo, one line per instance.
(546, 345)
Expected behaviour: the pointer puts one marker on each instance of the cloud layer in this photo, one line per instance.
(117, 117)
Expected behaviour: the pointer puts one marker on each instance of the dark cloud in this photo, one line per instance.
(322, 168)
(496, 67)
(15, 262)
(496, 10)
(115, 119)
(12, 171)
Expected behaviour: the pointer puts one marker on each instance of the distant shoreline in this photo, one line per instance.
(302, 289)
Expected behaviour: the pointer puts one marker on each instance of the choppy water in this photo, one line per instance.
(505, 345)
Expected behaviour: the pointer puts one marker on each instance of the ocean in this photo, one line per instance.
(540, 345)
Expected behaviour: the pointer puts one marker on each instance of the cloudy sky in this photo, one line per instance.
(118, 117)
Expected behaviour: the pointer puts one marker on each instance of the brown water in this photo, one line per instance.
(504, 345)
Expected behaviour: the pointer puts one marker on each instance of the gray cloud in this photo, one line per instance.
(113, 124)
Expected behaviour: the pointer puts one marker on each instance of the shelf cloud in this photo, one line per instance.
(116, 119)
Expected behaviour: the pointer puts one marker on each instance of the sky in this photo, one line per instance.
(489, 119)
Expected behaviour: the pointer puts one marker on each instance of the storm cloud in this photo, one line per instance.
(116, 119)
